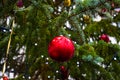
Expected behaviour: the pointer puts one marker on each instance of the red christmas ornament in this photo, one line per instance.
(20, 3)
(105, 38)
(64, 72)
(5, 78)
(61, 49)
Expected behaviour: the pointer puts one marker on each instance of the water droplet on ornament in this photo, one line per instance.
(48, 76)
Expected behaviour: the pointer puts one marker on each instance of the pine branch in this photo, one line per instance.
(107, 65)
(114, 56)
(101, 3)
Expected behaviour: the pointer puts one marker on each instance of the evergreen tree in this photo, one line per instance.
(28, 26)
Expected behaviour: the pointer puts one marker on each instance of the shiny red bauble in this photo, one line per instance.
(19, 3)
(5, 78)
(105, 38)
(61, 49)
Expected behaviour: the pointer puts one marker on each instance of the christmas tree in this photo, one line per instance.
(60, 39)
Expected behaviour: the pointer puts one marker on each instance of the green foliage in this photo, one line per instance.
(40, 20)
